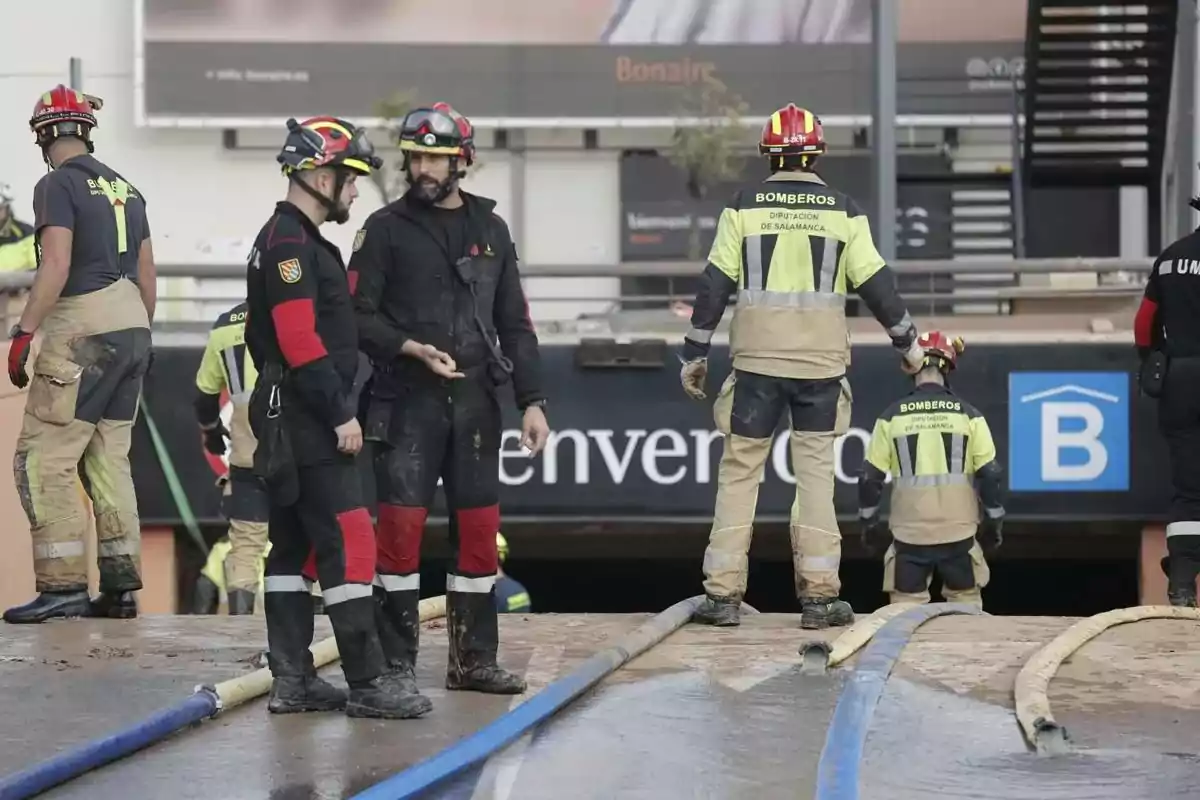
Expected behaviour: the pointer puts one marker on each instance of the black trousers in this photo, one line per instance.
(453, 435)
(1179, 422)
(329, 529)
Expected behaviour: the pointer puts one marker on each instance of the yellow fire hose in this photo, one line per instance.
(818, 655)
(1031, 689)
(236, 691)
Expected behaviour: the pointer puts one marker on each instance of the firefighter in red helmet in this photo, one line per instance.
(92, 303)
(938, 449)
(444, 320)
(790, 248)
(301, 333)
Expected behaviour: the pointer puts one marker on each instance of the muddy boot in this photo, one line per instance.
(825, 612)
(398, 618)
(51, 605)
(241, 601)
(386, 697)
(471, 621)
(115, 605)
(1181, 581)
(296, 687)
(207, 597)
(298, 694)
(720, 611)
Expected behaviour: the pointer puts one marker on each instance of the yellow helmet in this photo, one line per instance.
(501, 546)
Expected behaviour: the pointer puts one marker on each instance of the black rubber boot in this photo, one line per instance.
(399, 622)
(386, 697)
(825, 612)
(471, 620)
(296, 687)
(115, 605)
(207, 597)
(51, 605)
(241, 601)
(720, 611)
(1181, 581)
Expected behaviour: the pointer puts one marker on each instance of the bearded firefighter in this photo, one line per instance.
(790, 248)
(443, 317)
(92, 303)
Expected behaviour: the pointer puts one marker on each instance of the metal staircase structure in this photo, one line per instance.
(1096, 95)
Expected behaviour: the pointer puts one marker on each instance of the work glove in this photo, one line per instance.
(693, 375)
(990, 535)
(876, 535)
(912, 358)
(18, 354)
(214, 438)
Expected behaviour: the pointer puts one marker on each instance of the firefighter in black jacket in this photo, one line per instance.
(443, 317)
(302, 336)
(1167, 335)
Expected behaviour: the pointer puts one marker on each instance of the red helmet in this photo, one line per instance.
(940, 350)
(438, 129)
(327, 142)
(792, 131)
(63, 111)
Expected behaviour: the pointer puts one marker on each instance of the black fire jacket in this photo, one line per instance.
(408, 286)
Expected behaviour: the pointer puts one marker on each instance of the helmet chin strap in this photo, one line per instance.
(444, 187)
(334, 211)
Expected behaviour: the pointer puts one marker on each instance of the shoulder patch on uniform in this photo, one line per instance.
(359, 238)
(289, 270)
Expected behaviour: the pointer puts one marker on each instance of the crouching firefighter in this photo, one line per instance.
(303, 339)
(92, 301)
(225, 367)
(444, 320)
(935, 445)
(790, 349)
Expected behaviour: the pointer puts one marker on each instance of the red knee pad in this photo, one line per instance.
(309, 570)
(399, 539)
(358, 541)
(477, 529)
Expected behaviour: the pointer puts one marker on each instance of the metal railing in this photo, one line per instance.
(196, 293)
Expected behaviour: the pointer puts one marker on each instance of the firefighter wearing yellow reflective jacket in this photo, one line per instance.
(225, 366)
(17, 250)
(212, 586)
(935, 445)
(790, 248)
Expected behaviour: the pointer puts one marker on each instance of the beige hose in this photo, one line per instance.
(818, 655)
(239, 690)
(1033, 681)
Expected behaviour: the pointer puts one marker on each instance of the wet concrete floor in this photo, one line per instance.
(709, 713)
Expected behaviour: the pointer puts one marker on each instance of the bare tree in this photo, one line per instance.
(710, 145)
(389, 180)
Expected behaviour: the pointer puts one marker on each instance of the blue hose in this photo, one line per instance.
(513, 724)
(34, 780)
(837, 771)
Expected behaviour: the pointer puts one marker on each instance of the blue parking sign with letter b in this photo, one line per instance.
(1068, 431)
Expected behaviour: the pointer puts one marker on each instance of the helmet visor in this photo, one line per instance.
(431, 131)
(360, 155)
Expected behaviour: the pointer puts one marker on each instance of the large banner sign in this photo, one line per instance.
(1076, 440)
(207, 60)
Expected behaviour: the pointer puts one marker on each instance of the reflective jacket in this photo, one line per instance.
(791, 247)
(225, 366)
(936, 447)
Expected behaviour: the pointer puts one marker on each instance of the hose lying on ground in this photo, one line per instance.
(837, 770)
(1030, 692)
(817, 655)
(205, 702)
(510, 726)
